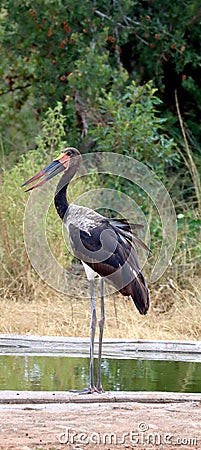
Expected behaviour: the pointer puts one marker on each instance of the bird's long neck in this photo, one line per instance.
(60, 200)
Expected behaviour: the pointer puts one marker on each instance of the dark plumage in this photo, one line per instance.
(117, 258)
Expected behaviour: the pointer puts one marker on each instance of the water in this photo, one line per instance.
(64, 373)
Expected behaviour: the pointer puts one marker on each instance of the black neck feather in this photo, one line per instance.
(60, 201)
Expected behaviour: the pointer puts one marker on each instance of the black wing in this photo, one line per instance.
(127, 230)
(109, 250)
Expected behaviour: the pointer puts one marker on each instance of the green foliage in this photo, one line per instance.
(92, 73)
(93, 61)
(52, 132)
(18, 128)
(130, 126)
(42, 46)
(189, 229)
(13, 198)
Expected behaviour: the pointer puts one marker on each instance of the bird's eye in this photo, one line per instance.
(69, 153)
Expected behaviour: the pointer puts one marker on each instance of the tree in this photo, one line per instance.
(40, 47)
(72, 52)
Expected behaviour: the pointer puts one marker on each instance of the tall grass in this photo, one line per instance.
(189, 161)
(45, 312)
(28, 305)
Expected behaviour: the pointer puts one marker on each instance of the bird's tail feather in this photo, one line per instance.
(138, 291)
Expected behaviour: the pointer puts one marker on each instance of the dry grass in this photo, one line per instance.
(174, 313)
(28, 306)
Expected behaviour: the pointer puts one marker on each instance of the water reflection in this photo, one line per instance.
(62, 374)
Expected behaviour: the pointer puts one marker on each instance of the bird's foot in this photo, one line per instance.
(89, 390)
(99, 389)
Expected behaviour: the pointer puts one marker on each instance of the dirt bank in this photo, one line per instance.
(143, 421)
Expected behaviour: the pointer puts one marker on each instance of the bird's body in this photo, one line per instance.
(106, 247)
(108, 255)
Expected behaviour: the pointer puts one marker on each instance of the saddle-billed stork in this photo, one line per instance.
(106, 247)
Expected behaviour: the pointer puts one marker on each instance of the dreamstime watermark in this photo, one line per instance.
(129, 169)
(141, 436)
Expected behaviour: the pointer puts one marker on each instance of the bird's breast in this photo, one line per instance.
(82, 217)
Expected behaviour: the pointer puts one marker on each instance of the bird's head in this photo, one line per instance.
(69, 157)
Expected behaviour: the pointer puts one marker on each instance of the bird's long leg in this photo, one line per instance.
(92, 336)
(91, 389)
(101, 328)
